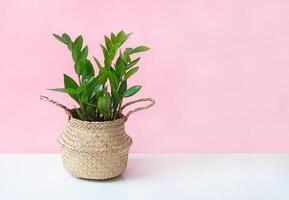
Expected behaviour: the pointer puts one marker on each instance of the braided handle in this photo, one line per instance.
(67, 111)
(152, 102)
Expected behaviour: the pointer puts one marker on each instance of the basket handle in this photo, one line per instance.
(67, 111)
(152, 102)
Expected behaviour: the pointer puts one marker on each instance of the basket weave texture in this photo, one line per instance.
(95, 150)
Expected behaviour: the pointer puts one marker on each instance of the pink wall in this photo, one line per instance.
(219, 71)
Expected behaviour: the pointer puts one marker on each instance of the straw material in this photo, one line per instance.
(96, 150)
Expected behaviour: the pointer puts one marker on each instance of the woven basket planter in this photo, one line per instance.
(96, 150)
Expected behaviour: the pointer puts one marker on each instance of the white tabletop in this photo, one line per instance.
(151, 176)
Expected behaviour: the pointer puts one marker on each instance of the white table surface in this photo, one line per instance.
(151, 176)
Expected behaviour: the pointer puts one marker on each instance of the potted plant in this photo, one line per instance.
(94, 144)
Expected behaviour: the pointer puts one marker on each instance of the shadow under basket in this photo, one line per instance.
(96, 150)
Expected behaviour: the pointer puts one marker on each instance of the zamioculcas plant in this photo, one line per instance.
(94, 144)
(100, 95)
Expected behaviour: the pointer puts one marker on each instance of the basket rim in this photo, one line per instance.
(120, 119)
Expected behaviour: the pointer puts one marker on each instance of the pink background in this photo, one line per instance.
(219, 71)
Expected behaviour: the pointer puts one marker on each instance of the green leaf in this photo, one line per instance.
(113, 38)
(84, 52)
(95, 92)
(108, 44)
(115, 97)
(76, 53)
(88, 71)
(76, 48)
(128, 50)
(59, 38)
(67, 40)
(84, 97)
(64, 90)
(120, 61)
(113, 80)
(130, 73)
(91, 112)
(121, 36)
(69, 83)
(79, 66)
(70, 91)
(81, 88)
(79, 41)
(104, 51)
(108, 100)
(120, 70)
(132, 63)
(131, 91)
(104, 105)
(97, 63)
(122, 87)
(102, 77)
(139, 49)
(126, 56)
(64, 39)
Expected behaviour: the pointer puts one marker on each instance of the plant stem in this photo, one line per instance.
(118, 109)
(81, 107)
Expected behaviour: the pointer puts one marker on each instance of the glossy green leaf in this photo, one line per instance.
(127, 57)
(88, 71)
(120, 70)
(76, 53)
(70, 91)
(129, 50)
(120, 61)
(131, 91)
(103, 74)
(79, 41)
(104, 51)
(76, 48)
(108, 44)
(67, 40)
(91, 112)
(115, 97)
(64, 90)
(84, 97)
(131, 72)
(84, 52)
(113, 80)
(59, 38)
(121, 36)
(95, 91)
(97, 63)
(69, 82)
(122, 87)
(79, 66)
(132, 63)
(139, 49)
(113, 38)
(104, 105)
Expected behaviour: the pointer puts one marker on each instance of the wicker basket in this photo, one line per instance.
(96, 150)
